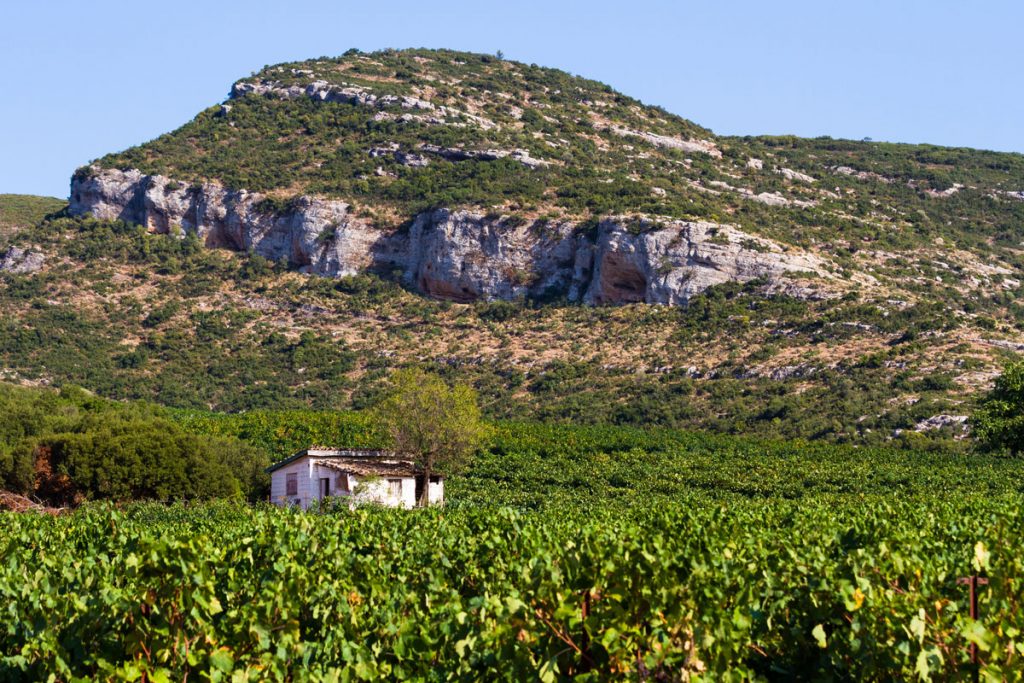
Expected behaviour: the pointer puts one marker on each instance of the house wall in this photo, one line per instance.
(307, 484)
(375, 491)
(379, 491)
(436, 492)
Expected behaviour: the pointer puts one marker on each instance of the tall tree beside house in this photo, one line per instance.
(437, 426)
(999, 422)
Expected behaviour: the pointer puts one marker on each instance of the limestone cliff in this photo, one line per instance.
(457, 255)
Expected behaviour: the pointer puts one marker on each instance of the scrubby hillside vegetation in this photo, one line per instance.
(136, 316)
(68, 447)
(24, 210)
(770, 478)
(904, 302)
(367, 129)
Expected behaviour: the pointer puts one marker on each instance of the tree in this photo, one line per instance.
(999, 421)
(437, 426)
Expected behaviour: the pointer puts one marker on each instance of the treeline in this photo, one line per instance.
(68, 446)
(536, 465)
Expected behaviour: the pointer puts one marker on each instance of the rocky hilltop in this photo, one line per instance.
(454, 254)
(479, 178)
(337, 218)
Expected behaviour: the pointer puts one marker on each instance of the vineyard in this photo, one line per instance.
(565, 552)
(768, 590)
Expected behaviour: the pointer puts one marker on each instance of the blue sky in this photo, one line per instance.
(79, 79)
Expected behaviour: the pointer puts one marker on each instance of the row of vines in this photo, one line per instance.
(698, 590)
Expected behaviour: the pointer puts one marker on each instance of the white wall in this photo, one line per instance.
(376, 491)
(436, 493)
(307, 484)
(379, 491)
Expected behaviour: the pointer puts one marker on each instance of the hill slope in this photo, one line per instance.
(336, 165)
(23, 210)
(829, 289)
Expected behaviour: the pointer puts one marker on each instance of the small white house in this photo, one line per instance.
(359, 476)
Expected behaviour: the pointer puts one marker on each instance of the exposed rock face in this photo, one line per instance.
(861, 175)
(790, 174)
(959, 423)
(326, 92)
(777, 199)
(456, 255)
(940, 421)
(458, 154)
(948, 192)
(672, 263)
(465, 256)
(314, 234)
(701, 146)
(21, 262)
(358, 95)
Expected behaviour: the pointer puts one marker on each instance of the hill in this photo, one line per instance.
(23, 210)
(562, 185)
(851, 291)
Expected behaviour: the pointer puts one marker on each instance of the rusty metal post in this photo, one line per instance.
(587, 662)
(973, 582)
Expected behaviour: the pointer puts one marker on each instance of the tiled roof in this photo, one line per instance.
(356, 461)
(371, 467)
(323, 451)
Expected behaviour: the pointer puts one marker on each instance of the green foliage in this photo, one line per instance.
(282, 432)
(203, 329)
(999, 421)
(131, 458)
(535, 465)
(68, 446)
(755, 591)
(713, 555)
(23, 210)
(438, 426)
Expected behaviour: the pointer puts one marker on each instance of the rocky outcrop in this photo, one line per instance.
(358, 95)
(21, 262)
(669, 142)
(317, 235)
(790, 174)
(948, 192)
(459, 154)
(670, 263)
(393, 151)
(939, 421)
(861, 175)
(464, 256)
(776, 199)
(457, 255)
(327, 92)
(959, 424)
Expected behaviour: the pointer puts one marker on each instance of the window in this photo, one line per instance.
(395, 488)
(325, 487)
(342, 483)
(291, 484)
